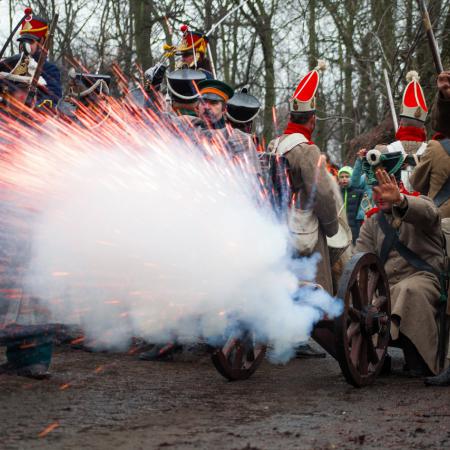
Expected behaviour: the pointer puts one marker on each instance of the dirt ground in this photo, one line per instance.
(106, 401)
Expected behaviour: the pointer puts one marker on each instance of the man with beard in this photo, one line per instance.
(214, 95)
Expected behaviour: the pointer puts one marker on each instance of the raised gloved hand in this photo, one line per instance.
(155, 75)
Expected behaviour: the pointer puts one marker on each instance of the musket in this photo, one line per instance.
(32, 90)
(431, 38)
(13, 32)
(442, 308)
(228, 14)
(211, 30)
(391, 99)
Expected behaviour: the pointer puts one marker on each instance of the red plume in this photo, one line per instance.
(28, 11)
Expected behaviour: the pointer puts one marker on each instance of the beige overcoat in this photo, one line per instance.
(431, 173)
(434, 167)
(311, 180)
(414, 293)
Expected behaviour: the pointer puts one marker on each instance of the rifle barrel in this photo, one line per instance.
(431, 37)
(40, 65)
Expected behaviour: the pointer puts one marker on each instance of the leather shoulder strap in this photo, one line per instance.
(390, 237)
(391, 241)
(446, 144)
(289, 142)
(444, 193)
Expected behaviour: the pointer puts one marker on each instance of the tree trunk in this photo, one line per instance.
(141, 12)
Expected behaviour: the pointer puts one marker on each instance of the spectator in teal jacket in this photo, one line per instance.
(358, 181)
(352, 198)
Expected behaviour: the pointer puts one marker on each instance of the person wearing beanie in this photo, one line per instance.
(352, 199)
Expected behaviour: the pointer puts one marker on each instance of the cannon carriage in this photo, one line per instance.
(358, 339)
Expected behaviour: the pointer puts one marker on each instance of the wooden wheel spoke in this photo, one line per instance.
(355, 350)
(356, 296)
(229, 346)
(353, 330)
(238, 356)
(354, 314)
(374, 278)
(363, 283)
(363, 358)
(372, 354)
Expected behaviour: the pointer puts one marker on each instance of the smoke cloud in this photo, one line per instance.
(145, 236)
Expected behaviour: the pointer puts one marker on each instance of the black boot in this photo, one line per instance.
(443, 379)
(305, 351)
(163, 352)
(387, 366)
(29, 357)
(415, 366)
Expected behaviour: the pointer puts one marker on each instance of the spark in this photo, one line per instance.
(48, 429)
(60, 274)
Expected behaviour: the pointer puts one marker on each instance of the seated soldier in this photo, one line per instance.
(404, 231)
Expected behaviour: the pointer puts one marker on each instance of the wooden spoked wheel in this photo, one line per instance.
(239, 357)
(362, 331)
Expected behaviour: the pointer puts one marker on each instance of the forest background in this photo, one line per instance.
(266, 45)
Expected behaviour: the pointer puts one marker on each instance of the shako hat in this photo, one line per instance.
(215, 90)
(183, 85)
(191, 41)
(304, 97)
(34, 28)
(414, 105)
(386, 157)
(242, 107)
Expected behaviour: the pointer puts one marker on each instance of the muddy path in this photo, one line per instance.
(105, 401)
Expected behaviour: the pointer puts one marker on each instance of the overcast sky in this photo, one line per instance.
(4, 20)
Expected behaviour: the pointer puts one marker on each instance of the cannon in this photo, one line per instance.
(358, 339)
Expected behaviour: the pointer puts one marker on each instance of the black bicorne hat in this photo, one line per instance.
(182, 85)
(89, 83)
(89, 79)
(242, 107)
